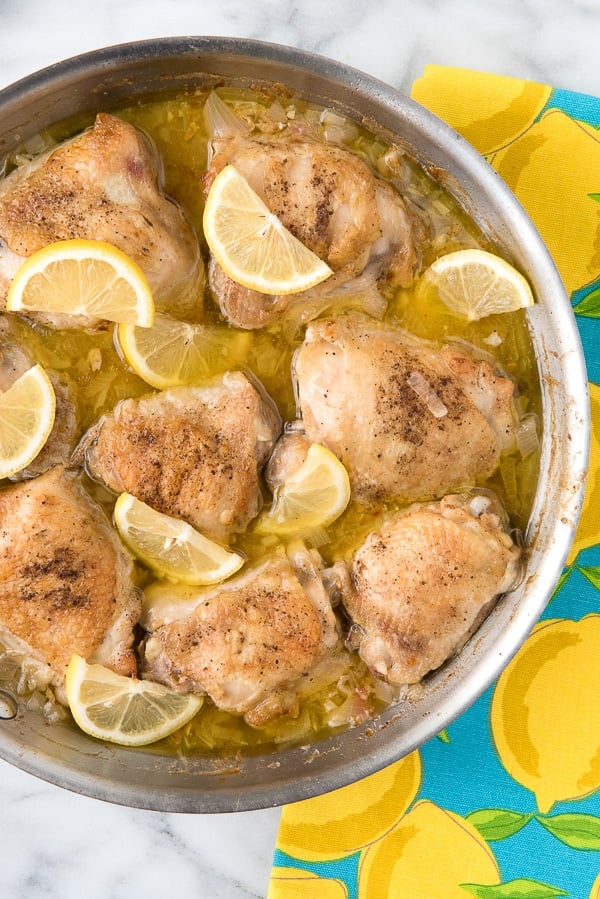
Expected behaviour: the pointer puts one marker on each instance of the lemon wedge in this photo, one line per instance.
(475, 283)
(122, 709)
(82, 277)
(170, 547)
(27, 411)
(251, 244)
(313, 496)
(174, 353)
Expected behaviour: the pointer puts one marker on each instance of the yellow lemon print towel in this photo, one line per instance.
(505, 804)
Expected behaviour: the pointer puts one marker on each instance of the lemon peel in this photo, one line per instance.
(311, 497)
(122, 709)
(27, 412)
(82, 277)
(475, 283)
(171, 547)
(251, 244)
(174, 353)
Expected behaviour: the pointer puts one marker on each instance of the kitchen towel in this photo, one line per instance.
(504, 804)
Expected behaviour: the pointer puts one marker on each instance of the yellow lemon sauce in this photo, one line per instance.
(100, 377)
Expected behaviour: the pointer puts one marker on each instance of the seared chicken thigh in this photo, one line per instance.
(408, 420)
(423, 582)
(250, 642)
(104, 184)
(65, 580)
(14, 362)
(288, 456)
(191, 452)
(332, 202)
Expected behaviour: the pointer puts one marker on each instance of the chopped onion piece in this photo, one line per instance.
(221, 120)
(384, 691)
(293, 728)
(425, 391)
(326, 672)
(342, 715)
(312, 115)
(337, 128)
(53, 713)
(276, 113)
(34, 147)
(493, 339)
(390, 164)
(317, 537)
(527, 435)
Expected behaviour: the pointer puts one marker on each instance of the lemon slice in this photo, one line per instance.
(170, 547)
(312, 497)
(82, 277)
(27, 411)
(173, 353)
(475, 283)
(122, 709)
(250, 243)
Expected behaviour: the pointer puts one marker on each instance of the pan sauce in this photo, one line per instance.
(101, 379)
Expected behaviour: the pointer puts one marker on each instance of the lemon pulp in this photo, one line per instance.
(251, 244)
(170, 547)
(122, 709)
(27, 411)
(313, 496)
(477, 284)
(173, 353)
(82, 277)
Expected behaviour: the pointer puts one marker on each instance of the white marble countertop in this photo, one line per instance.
(58, 845)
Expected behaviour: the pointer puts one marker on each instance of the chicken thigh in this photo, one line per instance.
(332, 202)
(104, 184)
(191, 452)
(422, 583)
(409, 420)
(65, 580)
(14, 362)
(249, 643)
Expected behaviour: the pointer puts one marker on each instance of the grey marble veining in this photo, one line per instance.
(57, 845)
(554, 41)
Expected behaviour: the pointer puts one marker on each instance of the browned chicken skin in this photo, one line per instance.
(191, 452)
(65, 580)
(332, 202)
(105, 185)
(250, 642)
(408, 420)
(423, 582)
